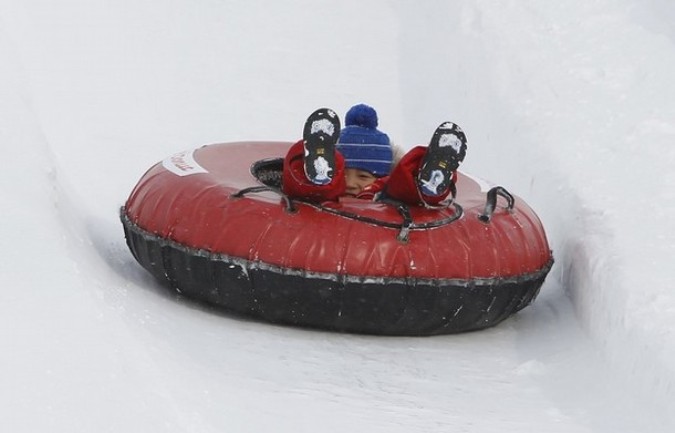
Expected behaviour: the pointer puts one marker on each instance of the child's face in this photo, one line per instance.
(357, 180)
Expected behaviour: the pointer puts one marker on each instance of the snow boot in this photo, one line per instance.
(446, 151)
(320, 134)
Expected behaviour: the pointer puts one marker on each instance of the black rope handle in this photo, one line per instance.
(272, 183)
(491, 202)
(407, 225)
(404, 211)
(290, 207)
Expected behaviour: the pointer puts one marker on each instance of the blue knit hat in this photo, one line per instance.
(362, 144)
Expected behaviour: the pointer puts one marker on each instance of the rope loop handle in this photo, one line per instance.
(491, 202)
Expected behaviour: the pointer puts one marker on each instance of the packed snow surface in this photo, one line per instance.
(570, 105)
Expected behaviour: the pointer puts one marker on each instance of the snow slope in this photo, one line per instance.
(570, 105)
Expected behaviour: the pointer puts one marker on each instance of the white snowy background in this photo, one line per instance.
(570, 105)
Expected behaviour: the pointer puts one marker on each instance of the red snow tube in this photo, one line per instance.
(213, 225)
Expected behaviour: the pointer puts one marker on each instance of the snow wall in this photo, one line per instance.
(568, 105)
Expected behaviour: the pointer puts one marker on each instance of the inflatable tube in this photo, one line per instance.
(212, 224)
